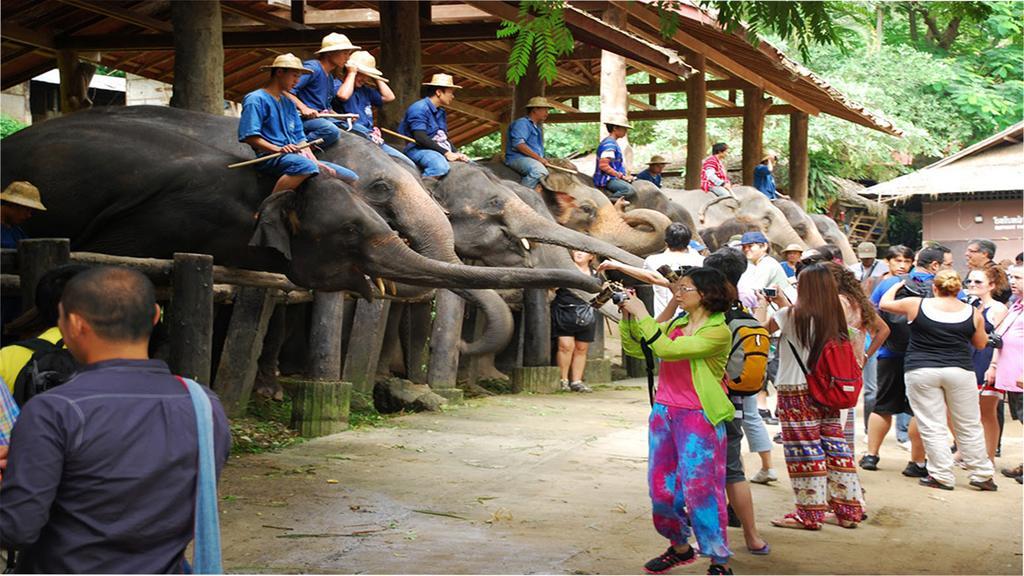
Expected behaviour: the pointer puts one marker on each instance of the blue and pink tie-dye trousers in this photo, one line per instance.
(686, 475)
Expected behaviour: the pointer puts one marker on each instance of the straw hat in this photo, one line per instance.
(288, 61)
(793, 248)
(617, 120)
(657, 159)
(366, 64)
(334, 42)
(23, 194)
(769, 155)
(539, 102)
(442, 81)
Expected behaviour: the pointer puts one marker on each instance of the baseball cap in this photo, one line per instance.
(753, 238)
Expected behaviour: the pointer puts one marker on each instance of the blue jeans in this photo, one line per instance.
(619, 189)
(321, 128)
(531, 170)
(431, 163)
(903, 427)
(297, 164)
(870, 376)
(720, 191)
(758, 439)
(389, 150)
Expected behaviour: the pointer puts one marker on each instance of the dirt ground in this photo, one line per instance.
(556, 484)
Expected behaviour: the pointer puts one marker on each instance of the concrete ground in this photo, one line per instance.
(557, 484)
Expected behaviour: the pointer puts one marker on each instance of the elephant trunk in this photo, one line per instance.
(498, 322)
(527, 223)
(612, 227)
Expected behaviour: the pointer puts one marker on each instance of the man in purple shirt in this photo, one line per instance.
(101, 475)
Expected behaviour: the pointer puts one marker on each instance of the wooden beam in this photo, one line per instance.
(715, 99)
(467, 58)
(438, 13)
(674, 87)
(118, 12)
(475, 111)
(464, 72)
(640, 104)
(298, 11)
(262, 16)
(673, 114)
(40, 38)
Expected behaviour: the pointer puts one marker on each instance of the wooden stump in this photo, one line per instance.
(35, 258)
(243, 346)
(369, 325)
(598, 371)
(442, 373)
(536, 379)
(319, 407)
(191, 316)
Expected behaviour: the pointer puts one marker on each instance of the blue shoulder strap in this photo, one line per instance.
(206, 552)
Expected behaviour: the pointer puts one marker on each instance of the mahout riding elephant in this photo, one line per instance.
(576, 204)
(832, 234)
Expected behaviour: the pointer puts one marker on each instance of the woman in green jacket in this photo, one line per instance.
(686, 465)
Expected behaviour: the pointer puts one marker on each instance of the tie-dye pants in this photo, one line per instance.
(818, 458)
(686, 475)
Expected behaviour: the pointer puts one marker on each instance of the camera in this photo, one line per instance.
(973, 301)
(770, 292)
(610, 291)
(673, 274)
(995, 341)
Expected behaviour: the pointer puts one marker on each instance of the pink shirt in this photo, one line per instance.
(1011, 357)
(675, 382)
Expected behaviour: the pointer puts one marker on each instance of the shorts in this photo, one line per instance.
(733, 458)
(580, 333)
(892, 389)
(289, 164)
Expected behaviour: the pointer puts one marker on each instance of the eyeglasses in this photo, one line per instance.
(685, 289)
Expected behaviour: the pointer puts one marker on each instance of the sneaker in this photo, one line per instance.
(869, 462)
(1013, 472)
(579, 386)
(985, 485)
(764, 476)
(778, 438)
(563, 385)
(904, 445)
(669, 560)
(734, 520)
(766, 415)
(719, 569)
(915, 470)
(933, 483)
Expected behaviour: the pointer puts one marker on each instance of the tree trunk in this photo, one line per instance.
(914, 35)
(798, 161)
(879, 31)
(198, 56)
(755, 106)
(75, 76)
(696, 122)
(614, 97)
(400, 57)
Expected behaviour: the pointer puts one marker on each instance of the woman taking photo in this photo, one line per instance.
(940, 377)
(818, 459)
(980, 285)
(687, 449)
(1006, 371)
(574, 323)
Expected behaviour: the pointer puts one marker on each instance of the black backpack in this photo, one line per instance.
(50, 366)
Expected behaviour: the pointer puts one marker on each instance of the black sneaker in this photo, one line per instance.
(719, 569)
(914, 470)
(869, 462)
(669, 560)
(734, 520)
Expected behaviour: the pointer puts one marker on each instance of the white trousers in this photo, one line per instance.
(930, 391)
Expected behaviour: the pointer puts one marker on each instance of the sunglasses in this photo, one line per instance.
(969, 281)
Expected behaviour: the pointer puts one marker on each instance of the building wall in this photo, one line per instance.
(953, 223)
(14, 103)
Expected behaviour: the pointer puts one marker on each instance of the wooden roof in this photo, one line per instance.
(459, 39)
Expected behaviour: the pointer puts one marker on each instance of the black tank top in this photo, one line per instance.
(935, 344)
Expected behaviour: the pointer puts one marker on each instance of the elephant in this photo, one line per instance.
(717, 236)
(800, 221)
(834, 235)
(576, 204)
(748, 203)
(156, 185)
(649, 196)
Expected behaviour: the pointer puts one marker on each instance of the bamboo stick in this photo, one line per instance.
(275, 155)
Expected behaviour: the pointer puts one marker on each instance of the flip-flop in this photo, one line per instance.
(793, 521)
(762, 551)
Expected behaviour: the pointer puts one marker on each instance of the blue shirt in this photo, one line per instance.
(276, 121)
(652, 178)
(362, 102)
(765, 182)
(102, 472)
(424, 116)
(9, 236)
(316, 90)
(524, 131)
(790, 272)
(608, 147)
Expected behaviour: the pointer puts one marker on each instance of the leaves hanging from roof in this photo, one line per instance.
(539, 30)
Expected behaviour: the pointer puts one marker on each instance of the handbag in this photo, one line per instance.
(206, 553)
(574, 316)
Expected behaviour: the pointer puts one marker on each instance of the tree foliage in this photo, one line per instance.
(540, 34)
(9, 126)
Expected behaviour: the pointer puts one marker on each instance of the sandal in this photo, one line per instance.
(793, 520)
(762, 551)
(831, 518)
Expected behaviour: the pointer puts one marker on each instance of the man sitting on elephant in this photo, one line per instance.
(610, 174)
(713, 177)
(314, 91)
(427, 123)
(525, 152)
(654, 169)
(357, 96)
(270, 124)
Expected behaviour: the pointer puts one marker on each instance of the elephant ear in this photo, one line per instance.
(276, 221)
(558, 181)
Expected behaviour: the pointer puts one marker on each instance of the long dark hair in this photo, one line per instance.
(818, 316)
(848, 285)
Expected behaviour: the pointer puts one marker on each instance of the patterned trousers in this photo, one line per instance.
(818, 458)
(686, 476)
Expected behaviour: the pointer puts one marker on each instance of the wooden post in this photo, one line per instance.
(75, 77)
(319, 407)
(415, 336)
(191, 316)
(599, 368)
(400, 57)
(536, 327)
(243, 346)
(370, 324)
(799, 164)
(696, 122)
(35, 258)
(755, 106)
(512, 356)
(298, 11)
(614, 96)
(635, 367)
(198, 56)
(444, 340)
(325, 336)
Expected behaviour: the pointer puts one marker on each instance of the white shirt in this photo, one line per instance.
(687, 257)
(789, 370)
(767, 273)
(879, 268)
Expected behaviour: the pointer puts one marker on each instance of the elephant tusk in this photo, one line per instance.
(526, 243)
(380, 285)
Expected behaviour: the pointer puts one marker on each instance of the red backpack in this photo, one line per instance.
(836, 380)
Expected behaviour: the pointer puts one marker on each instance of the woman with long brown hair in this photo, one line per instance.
(819, 461)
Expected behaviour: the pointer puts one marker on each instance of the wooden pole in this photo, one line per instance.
(274, 155)
(537, 327)
(755, 106)
(444, 340)
(239, 360)
(369, 325)
(400, 57)
(198, 56)
(614, 97)
(75, 77)
(298, 11)
(191, 316)
(799, 164)
(415, 336)
(35, 258)
(696, 122)
(325, 336)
